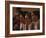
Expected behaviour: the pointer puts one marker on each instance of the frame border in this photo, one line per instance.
(7, 18)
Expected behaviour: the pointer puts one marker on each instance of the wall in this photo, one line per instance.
(2, 20)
